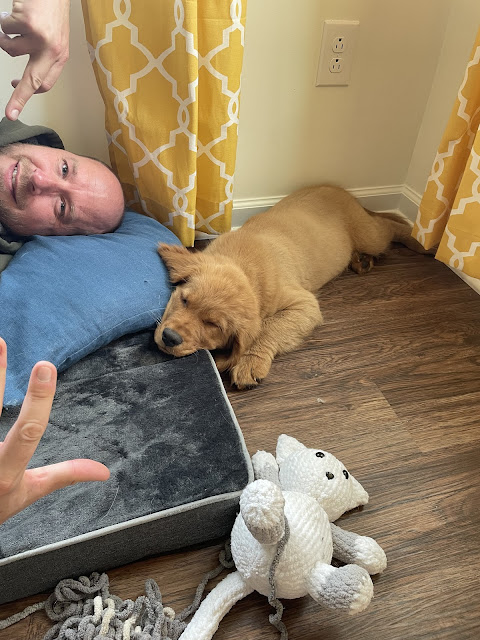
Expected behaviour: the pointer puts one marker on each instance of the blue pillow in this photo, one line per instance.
(63, 297)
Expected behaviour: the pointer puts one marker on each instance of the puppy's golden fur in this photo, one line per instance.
(250, 293)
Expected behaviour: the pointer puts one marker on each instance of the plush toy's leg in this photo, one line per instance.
(362, 550)
(215, 607)
(261, 506)
(349, 588)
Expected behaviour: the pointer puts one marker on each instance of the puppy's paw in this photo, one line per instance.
(361, 262)
(250, 370)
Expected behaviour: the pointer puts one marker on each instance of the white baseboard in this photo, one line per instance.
(399, 197)
(409, 202)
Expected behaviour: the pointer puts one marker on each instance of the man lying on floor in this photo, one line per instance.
(46, 190)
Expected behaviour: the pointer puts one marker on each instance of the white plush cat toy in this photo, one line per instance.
(292, 504)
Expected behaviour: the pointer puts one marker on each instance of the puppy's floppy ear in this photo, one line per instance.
(244, 336)
(178, 260)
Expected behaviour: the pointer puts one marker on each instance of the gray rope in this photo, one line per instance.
(21, 615)
(276, 618)
(84, 609)
(225, 562)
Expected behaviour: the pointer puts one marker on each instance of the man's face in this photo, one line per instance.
(49, 191)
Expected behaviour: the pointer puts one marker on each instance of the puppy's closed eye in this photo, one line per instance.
(209, 323)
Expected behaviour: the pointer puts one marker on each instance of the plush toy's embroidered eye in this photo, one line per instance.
(345, 473)
(329, 475)
(319, 454)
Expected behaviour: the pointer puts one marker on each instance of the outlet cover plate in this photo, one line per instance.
(335, 31)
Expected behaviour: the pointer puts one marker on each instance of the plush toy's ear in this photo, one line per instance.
(359, 495)
(179, 261)
(286, 445)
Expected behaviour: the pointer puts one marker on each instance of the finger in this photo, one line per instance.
(51, 77)
(23, 438)
(10, 24)
(3, 370)
(36, 70)
(42, 481)
(49, 80)
(17, 46)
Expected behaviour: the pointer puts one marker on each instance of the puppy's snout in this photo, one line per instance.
(171, 338)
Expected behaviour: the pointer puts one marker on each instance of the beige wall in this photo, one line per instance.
(293, 133)
(462, 25)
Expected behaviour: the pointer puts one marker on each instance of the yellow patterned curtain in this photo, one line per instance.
(449, 212)
(169, 75)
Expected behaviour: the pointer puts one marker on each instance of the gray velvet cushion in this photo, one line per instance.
(166, 430)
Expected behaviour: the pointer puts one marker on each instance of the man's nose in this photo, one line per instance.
(42, 183)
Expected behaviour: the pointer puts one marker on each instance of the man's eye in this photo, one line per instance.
(63, 206)
(64, 169)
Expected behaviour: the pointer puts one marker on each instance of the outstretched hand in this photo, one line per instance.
(19, 486)
(40, 30)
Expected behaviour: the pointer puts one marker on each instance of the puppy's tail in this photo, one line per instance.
(381, 228)
(402, 234)
(391, 215)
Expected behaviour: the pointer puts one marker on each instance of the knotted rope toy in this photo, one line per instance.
(292, 503)
(84, 609)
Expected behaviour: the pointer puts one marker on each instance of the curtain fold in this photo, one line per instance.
(449, 213)
(169, 74)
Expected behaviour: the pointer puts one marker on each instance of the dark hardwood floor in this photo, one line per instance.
(391, 385)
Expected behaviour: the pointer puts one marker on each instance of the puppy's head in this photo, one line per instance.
(212, 307)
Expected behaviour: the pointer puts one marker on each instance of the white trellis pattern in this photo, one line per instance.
(169, 74)
(449, 214)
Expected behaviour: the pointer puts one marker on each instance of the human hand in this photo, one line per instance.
(19, 486)
(43, 33)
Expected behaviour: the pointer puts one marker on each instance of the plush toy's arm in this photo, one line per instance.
(265, 467)
(351, 548)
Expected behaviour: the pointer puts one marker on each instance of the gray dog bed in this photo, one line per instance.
(177, 457)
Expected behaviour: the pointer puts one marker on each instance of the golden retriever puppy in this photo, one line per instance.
(250, 293)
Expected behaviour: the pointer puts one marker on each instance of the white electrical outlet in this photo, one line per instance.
(338, 38)
(339, 44)
(336, 65)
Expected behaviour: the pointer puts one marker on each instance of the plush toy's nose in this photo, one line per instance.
(171, 338)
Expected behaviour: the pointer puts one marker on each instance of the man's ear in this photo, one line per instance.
(178, 260)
